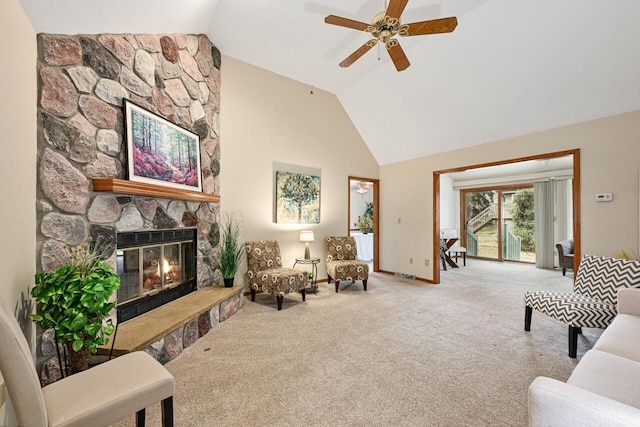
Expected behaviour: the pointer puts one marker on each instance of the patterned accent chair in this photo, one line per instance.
(565, 255)
(267, 274)
(592, 304)
(342, 261)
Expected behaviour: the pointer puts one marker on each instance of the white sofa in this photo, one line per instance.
(604, 388)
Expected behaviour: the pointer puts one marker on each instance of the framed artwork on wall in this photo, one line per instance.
(297, 198)
(160, 152)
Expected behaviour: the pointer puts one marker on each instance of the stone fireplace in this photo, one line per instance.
(82, 81)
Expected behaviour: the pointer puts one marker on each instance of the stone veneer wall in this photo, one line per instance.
(82, 81)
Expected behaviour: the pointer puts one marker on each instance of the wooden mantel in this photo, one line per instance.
(122, 186)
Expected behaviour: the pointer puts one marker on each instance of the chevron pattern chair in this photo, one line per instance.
(592, 304)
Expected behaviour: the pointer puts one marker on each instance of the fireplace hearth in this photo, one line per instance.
(155, 268)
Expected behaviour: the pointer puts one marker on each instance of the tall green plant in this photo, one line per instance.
(74, 299)
(230, 250)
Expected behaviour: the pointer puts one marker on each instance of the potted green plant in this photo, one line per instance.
(230, 249)
(75, 301)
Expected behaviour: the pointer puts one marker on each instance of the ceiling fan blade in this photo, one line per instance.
(396, 7)
(398, 56)
(358, 53)
(435, 26)
(344, 22)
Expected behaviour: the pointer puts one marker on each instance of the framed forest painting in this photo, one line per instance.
(160, 152)
(297, 198)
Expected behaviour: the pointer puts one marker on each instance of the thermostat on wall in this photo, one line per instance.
(604, 197)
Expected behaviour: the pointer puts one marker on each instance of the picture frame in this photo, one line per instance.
(297, 198)
(161, 152)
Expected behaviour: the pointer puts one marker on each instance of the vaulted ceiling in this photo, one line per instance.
(511, 67)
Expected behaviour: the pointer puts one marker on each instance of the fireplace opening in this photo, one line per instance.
(155, 267)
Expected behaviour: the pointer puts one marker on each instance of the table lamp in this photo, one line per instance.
(306, 236)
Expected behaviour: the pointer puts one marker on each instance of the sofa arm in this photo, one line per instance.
(554, 403)
(629, 301)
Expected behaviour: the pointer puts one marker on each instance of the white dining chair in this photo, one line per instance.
(98, 396)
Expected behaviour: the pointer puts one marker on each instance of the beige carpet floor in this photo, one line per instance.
(404, 353)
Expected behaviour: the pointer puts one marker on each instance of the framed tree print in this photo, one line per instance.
(297, 198)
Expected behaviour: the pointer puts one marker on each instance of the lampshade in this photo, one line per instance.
(306, 236)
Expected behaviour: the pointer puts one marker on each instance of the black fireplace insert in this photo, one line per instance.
(155, 267)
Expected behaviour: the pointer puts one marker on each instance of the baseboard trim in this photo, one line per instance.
(420, 279)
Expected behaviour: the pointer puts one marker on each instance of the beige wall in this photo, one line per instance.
(267, 118)
(18, 160)
(610, 157)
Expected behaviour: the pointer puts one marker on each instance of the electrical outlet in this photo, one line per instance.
(426, 263)
(410, 260)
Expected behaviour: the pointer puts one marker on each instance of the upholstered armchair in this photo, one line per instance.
(266, 273)
(342, 263)
(592, 304)
(565, 255)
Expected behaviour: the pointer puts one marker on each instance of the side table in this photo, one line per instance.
(314, 270)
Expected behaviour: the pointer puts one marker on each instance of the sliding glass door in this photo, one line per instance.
(482, 223)
(499, 223)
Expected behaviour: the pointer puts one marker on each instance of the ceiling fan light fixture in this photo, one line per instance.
(383, 26)
(386, 25)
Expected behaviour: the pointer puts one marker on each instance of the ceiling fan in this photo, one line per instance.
(385, 26)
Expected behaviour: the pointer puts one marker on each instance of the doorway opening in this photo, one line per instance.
(364, 220)
(495, 223)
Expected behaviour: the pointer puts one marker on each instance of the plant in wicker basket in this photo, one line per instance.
(75, 301)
